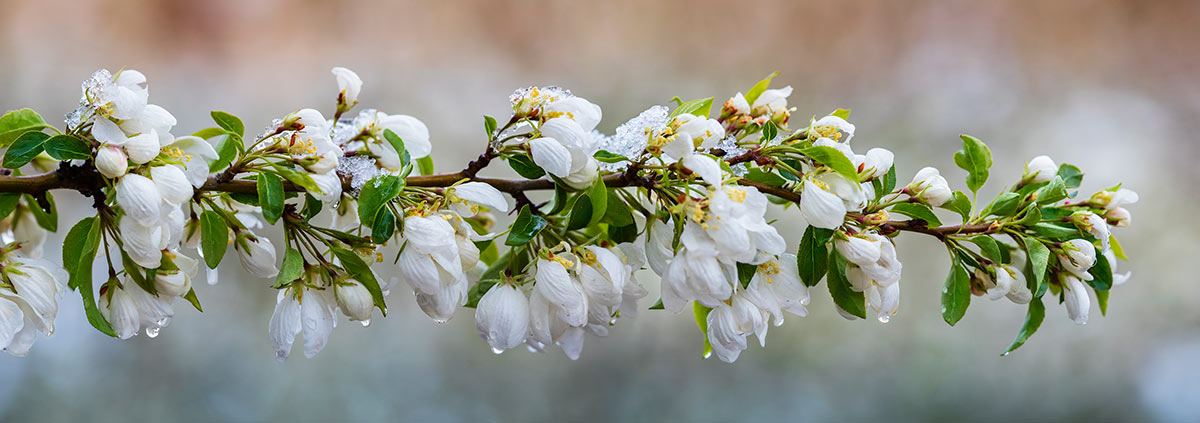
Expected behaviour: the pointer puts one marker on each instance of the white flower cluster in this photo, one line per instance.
(565, 139)
(30, 302)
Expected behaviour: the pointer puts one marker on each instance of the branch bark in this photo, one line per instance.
(58, 179)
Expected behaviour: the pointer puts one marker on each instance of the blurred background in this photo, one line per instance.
(1110, 86)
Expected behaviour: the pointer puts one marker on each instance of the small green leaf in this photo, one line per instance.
(229, 122)
(47, 219)
(1101, 271)
(618, 213)
(270, 196)
(24, 149)
(956, 295)
(425, 165)
(66, 147)
(759, 87)
(581, 213)
(79, 252)
(376, 194)
(1032, 215)
(960, 204)
(598, 196)
(976, 159)
(361, 272)
(292, 268)
(384, 226)
(525, 166)
(619, 234)
(489, 126)
(524, 228)
(989, 247)
(700, 312)
(1005, 205)
(745, 273)
(1033, 320)
(301, 179)
(398, 144)
(1055, 231)
(757, 175)
(17, 122)
(193, 300)
(841, 290)
(207, 133)
(1112, 243)
(1054, 191)
(833, 158)
(812, 255)
(918, 211)
(842, 113)
(1039, 259)
(1102, 301)
(214, 238)
(227, 150)
(701, 107)
(606, 157)
(1072, 177)
(769, 131)
(8, 203)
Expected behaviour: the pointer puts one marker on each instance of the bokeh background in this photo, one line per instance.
(1110, 86)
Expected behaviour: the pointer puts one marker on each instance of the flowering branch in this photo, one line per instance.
(673, 190)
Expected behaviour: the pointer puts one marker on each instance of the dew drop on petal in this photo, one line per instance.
(366, 323)
(497, 351)
(152, 332)
(211, 274)
(884, 318)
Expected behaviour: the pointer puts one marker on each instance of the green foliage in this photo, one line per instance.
(1072, 177)
(701, 107)
(230, 123)
(759, 87)
(525, 227)
(489, 126)
(700, 313)
(79, 251)
(841, 290)
(525, 166)
(812, 255)
(1033, 320)
(918, 211)
(425, 165)
(960, 204)
(398, 144)
(1005, 205)
(47, 219)
(606, 157)
(989, 247)
(1039, 259)
(832, 158)
(66, 147)
(376, 194)
(361, 272)
(976, 159)
(956, 295)
(214, 238)
(292, 268)
(1101, 271)
(24, 149)
(16, 123)
(270, 196)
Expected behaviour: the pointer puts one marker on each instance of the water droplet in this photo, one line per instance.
(366, 323)
(497, 350)
(884, 318)
(211, 274)
(152, 332)
(612, 321)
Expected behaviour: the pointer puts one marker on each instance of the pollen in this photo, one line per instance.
(738, 195)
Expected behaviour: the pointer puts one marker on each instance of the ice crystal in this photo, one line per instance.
(631, 137)
(359, 169)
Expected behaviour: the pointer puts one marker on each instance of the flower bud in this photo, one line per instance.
(172, 183)
(140, 199)
(349, 85)
(111, 162)
(858, 250)
(177, 283)
(144, 244)
(929, 186)
(1109, 200)
(1077, 257)
(876, 163)
(1091, 223)
(121, 312)
(143, 147)
(29, 234)
(355, 300)
(502, 317)
(877, 218)
(1119, 217)
(1076, 298)
(257, 255)
(323, 163)
(1040, 169)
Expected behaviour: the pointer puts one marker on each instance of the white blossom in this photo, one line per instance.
(349, 85)
(1077, 257)
(502, 317)
(466, 198)
(929, 186)
(301, 310)
(1076, 297)
(354, 300)
(1095, 225)
(257, 255)
(111, 161)
(1040, 169)
(138, 196)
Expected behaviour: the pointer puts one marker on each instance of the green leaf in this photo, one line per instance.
(598, 195)
(191, 298)
(839, 287)
(619, 234)
(757, 175)
(214, 238)
(918, 211)
(270, 196)
(1072, 177)
(769, 131)
(618, 213)
(989, 247)
(301, 179)
(47, 219)
(1054, 191)
(1039, 259)
(207, 133)
(8, 203)
(66, 147)
(759, 87)
(745, 273)
(384, 226)
(229, 122)
(976, 159)
(227, 150)
(1102, 301)
(525, 166)
(837, 161)
(842, 113)
(1055, 231)
(700, 312)
(960, 204)
(476, 293)
(1033, 320)
(397, 144)
(292, 268)
(1112, 243)
(1005, 205)
(524, 228)
(701, 107)
(581, 213)
(812, 255)
(137, 274)
(24, 149)
(956, 295)
(361, 272)
(1101, 271)
(1032, 215)
(17, 122)
(79, 251)
(425, 165)
(312, 206)
(606, 157)
(376, 194)
(489, 126)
